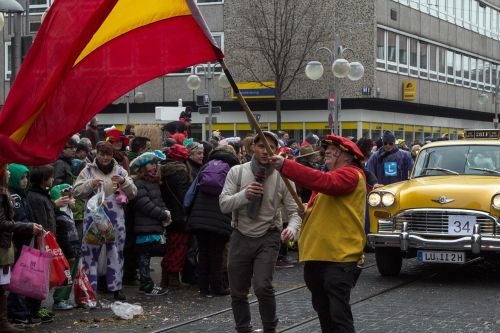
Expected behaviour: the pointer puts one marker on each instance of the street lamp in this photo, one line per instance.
(483, 98)
(139, 97)
(193, 82)
(341, 68)
(12, 6)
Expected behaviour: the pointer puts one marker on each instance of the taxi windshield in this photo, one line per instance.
(458, 160)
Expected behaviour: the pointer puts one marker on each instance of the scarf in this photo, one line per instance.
(106, 169)
(261, 172)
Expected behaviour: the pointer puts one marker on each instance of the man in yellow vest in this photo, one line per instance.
(332, 237)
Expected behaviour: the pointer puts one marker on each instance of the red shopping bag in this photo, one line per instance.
(30, 275)
(84, 294)
(60, 270)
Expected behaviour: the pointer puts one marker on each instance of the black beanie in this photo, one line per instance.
(389, 137)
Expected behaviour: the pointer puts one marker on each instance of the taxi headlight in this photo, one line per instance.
(496, 201)
(374, 199)
(388, 199)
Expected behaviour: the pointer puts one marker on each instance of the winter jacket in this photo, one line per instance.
(8, 227)
(62, 171)
(206, 215)
(174, 185)
(67, 235)
(22, 213)
(42, 208)
(195, 168)
(149, 208)
(390, 166)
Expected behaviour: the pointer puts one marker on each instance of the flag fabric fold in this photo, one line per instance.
(75, 70)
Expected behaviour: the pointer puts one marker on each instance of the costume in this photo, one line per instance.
(332, 237)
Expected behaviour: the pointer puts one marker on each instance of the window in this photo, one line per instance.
(458, 69)
(450, 11)
(465, 71)
(480, 74)
(432, 62)
(449, 67)
(442, 9)
(414, 4)
(391, 51)
(467, 14)
(494, 24)
(403, 54)
(423, 64)
(474, 8)
(442, 64)
(481, 20)
(7, 61)
(219, 40)
(473, 73)
(487, 76)
(459, 14)
(488, 21)
(380, 48)
(413, 57)
(424, 6)
(39, 6)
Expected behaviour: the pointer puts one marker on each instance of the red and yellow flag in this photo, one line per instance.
(86, 55)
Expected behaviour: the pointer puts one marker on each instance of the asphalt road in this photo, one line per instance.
(423, 298)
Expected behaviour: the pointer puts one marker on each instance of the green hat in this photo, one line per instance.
(16, 173)
(55, 191)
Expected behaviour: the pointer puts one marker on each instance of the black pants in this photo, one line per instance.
(129, 255)
(210, 258)
(253, 258)
(330, 285)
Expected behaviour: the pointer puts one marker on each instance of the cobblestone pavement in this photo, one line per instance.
(423, 298)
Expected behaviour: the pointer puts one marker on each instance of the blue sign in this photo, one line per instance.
(391, 169)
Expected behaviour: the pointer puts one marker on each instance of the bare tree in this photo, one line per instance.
(277, 38)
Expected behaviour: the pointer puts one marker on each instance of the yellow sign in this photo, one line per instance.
(409, 90)
(257, 90)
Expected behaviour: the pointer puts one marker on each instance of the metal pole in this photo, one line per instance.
(16, 48)
(496, 100)
(338, 94)
(209, 78)
(127, 104)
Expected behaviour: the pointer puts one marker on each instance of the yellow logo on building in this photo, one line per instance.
(409, 90)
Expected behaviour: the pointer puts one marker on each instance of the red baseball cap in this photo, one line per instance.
(345, 144)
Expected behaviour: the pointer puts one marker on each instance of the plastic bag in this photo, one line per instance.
(126, 310)
(30, 275)
(60, 271)
(101, 229)
(84, 294)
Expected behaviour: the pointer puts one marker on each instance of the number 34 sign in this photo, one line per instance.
(461, 224)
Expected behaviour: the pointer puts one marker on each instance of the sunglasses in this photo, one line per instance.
(388, 143)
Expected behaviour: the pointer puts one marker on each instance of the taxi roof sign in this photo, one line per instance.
(475, 134)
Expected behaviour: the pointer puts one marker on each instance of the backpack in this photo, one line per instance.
(213, 177)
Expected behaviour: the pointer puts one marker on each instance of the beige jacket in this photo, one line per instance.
(276, 198)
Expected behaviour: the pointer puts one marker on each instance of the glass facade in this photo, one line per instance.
(433, 61)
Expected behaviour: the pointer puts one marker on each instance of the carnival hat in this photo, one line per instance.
(344, 144)
(307, 151)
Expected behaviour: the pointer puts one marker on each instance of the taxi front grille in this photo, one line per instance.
(435, 221)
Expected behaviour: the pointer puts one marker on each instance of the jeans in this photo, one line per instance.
(251, 257)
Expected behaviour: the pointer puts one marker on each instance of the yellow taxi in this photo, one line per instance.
(449, 209)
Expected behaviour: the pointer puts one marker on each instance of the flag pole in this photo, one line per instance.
(256, 125)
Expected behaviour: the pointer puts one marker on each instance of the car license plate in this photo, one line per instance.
(461, 224)
(441, 256)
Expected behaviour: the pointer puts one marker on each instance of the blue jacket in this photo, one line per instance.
(390, 167)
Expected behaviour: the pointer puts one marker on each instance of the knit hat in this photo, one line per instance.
(16, 173)
(115, 135)
(388, 137)
(345, 145)
(178, 153)
(146, 158)
(187, 142)
(56, 191)
(268, 134)
(194, 146)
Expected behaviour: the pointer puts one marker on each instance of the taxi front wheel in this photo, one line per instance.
(389, 261)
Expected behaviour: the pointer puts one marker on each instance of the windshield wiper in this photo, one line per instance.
(486, 170)
(451, 172)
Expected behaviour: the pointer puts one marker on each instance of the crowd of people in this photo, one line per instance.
(216, 211)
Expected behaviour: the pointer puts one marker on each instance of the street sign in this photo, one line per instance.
(214, 120)
(366, 91)
(204, 109)
(257, 116)
(201, 100)
(331, 99)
